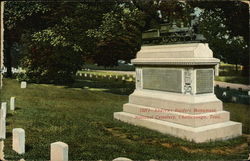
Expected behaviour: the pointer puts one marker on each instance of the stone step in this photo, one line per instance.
(165, 100)
(178, 117)
(219, 131)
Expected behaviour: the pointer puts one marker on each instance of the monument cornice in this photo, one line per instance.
(175, 61)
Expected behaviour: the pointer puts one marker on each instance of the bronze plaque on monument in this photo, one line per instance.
(163, 79)
(204, 81)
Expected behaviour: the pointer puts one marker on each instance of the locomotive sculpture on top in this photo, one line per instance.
(171, 33)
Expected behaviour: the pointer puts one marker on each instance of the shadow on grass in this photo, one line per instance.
(28, 148)
(17, 108)
(9, 115)
(8, 134)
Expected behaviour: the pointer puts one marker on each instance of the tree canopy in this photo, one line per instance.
(57, 38)
(225, 25)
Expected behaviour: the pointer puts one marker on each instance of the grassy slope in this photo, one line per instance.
(84, 120)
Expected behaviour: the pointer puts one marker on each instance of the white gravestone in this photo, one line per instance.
(23, 84)
(4, 109)
(248, 93)
(2, 128)
(18, 140)
(59, 151)
(234, 99)
(121, 159)
(12, 103)
(2, 113)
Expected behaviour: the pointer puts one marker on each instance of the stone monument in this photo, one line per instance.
(175, 94)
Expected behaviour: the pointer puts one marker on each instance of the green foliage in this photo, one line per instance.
(18, 17)
(118, 37)
(17, 12)
(54, 54)
(102, 34)
(157, 12)
(49, 58)
(226, 46)
(21, 77)
(231, 45)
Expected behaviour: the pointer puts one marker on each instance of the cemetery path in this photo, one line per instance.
(233, 85)
(221, 84)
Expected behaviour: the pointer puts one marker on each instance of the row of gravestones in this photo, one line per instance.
(18, 134)
(123, 78)
(236, 96)
(58, 150)
(3, 114)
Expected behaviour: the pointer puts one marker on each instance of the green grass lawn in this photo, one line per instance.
(229, 74)
(83, 118)
(233, 79)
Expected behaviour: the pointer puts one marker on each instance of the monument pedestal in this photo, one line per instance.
(174, 94)
(219, 131)
(197, 118)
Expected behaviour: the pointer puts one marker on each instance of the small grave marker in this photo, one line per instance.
(122, 159)
(234, 99)
(23, 84)
(2, 128)
(18, 140)
(4, 109)
(12, 103)
(59, 151)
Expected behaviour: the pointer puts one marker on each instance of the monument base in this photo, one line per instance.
(218, 131)
(175, 94)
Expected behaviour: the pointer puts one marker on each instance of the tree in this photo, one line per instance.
(118, 37)
(20, 16)
(54, 53)
(225, 25)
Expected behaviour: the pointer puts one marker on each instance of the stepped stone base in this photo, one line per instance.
(218, 131)
(175, 94)
(185, 119)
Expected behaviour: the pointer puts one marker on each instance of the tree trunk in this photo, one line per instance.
(8, 60)
(236, 67)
